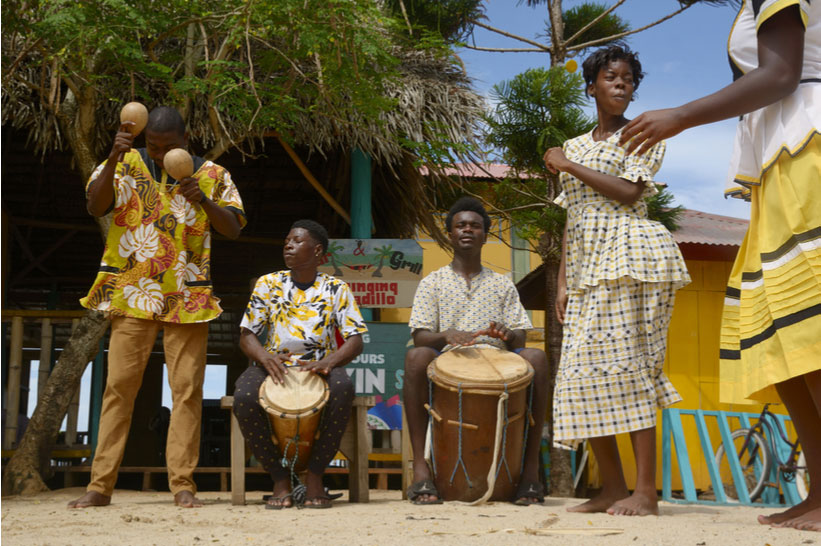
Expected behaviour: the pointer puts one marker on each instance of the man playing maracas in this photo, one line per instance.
(155, 275)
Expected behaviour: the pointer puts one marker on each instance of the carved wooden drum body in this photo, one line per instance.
(294, 408)
(480, 410)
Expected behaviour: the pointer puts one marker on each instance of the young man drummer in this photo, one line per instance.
(465, 303)
(301, 309)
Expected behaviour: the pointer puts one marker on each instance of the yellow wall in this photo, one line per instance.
(692, 366)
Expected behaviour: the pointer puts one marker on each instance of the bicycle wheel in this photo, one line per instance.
(755, 464)
(802, 477)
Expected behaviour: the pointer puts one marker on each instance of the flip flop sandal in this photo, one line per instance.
(321, 506)
(269, 498)
(526, 491)
(424, 487)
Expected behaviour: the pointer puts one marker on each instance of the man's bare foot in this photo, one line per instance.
(809, 521)
(599, 503)
(803, 507)
(186, 499)
(91, 498)
(637, 504)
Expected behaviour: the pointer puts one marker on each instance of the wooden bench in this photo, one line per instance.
(355, 447)
(146, 471)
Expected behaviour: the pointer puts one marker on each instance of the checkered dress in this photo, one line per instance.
(622, 272)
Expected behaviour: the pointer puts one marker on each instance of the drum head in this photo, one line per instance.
(302, 393)
(480, 368)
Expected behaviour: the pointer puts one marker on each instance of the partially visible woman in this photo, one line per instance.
(771, 326)
(618, 277)
(301, 309)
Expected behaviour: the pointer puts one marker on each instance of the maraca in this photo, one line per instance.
(137, 113)
(178, 163)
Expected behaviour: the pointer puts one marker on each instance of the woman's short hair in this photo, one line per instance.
(606, 55)
(317, 232)
(467, 204)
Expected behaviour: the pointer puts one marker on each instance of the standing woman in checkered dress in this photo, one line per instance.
(617, 281)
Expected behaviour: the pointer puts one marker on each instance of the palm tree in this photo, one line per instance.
(384, 251)
(331, 254)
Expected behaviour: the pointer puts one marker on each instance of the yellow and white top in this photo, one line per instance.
(302, 322)
(787, 125)
(607, 240)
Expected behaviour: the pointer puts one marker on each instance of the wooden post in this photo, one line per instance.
(74, 407)
(407, 457)
(361, 219)
(237, 455)
(358, 465)
(13, 384)
(46, 340)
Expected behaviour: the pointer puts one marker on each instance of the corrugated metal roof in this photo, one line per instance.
(695, 227)
(709, 229)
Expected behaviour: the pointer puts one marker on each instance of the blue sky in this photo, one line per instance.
(684, 58)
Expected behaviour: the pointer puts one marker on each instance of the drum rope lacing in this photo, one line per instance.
(527, 423)
(504, 440)
(459, 460)
(298, 489)
(430, 426)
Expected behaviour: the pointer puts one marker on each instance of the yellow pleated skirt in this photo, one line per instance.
(771, 325)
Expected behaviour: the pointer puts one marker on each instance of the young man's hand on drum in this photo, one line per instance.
(276, 365)
(457, 337)
(499, 331)
(322, 367)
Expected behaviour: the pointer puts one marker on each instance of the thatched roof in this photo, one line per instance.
(434, 103)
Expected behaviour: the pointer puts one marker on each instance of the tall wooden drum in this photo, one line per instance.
(294, 408)
(480, 411)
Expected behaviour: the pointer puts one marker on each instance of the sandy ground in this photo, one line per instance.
(151, 518)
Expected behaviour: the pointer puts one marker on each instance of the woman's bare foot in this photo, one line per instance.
(809, 521)
(600, 503)
(637, 504)
(186, 499)
(803, 507)
(91, 498)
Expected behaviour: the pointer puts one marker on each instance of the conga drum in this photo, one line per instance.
(480, 412)
(294, 410)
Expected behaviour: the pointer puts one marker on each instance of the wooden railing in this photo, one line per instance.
(47, 319)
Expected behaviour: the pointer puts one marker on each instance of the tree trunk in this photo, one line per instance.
(561, 477)
(24, 472)
(30, 463)
(558, 48)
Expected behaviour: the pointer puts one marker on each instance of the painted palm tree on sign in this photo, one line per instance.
(331, 255)
(384, 251)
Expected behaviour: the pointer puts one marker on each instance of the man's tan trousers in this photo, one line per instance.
(185, 351)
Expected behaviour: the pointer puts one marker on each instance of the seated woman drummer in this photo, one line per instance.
(301, 309)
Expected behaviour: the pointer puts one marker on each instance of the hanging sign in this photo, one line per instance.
(380, 272)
